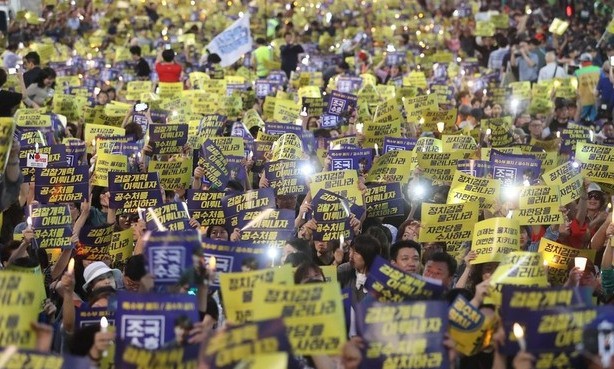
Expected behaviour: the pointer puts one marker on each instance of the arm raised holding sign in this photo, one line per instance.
(12, 179)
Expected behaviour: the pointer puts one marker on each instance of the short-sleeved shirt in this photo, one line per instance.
(168, 72)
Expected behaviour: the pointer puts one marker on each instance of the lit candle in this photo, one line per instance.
(71, 266)
(104, 324)
(250, 156)
(509, 214)
(359, 127)
(29, 222)
(140, 211)
(341, 242)
(376, 150)
(440, 126)
(212, 264)
(558, 134)
(591, 135)
(519, 334)
(104, 327)
(36, 147)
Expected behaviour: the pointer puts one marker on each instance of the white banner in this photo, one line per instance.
(233, 42)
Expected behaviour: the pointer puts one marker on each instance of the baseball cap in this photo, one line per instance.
(586, 57)
(593, 187)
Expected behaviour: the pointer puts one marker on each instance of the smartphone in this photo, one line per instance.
(141, 107)
(612, 60)
(167, 47)
(12, 70)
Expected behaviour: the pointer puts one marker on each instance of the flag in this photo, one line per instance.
(233, 42)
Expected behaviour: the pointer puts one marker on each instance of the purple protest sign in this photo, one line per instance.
(514, 169)
(52, 225)
(341, 104)
(133, 191)
(234, 256)
(476, 168)
(357, 159)
(206, 207)
(153, 321)
(384, 200)
(168, 138)
(390, 284)
(399, 143)
(169, 255)
(287, 177)
(61, 185)
(254, 200)
(393, 331)
(173, 216)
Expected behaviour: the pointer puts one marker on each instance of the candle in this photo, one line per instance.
(139, 210)
(71, 266)
(376, 150)
(104, 325)
(440, 126)
(519, 334)
(591, 135)
(558, 134)
(29, 222)
(509, 214)
(212, 262)
(341, 242)
(250, 156)
(359, 127)
(36, 147)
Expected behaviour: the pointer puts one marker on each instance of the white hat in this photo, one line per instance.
(586, 57)
(96, 269)
(593, 187)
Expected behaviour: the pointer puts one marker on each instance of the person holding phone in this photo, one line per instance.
(166, 67)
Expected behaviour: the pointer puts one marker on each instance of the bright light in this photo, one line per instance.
(575, 164)
(514, 105)
(526, 183)
(390, 48)
(272, 252)
(440, 126)
(419, 191)
(307, 169)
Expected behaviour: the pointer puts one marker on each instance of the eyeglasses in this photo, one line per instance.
(595, 195)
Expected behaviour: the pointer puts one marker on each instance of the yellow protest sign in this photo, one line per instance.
(440, 166)
(170, 90)
(539, 205)
(596, 161)
(32, 118)
(485, 29)
(285, 111)
(494, 238)
(430, 118)
(342, 182)
(416, 106)
(522, 268)
(376, 131)
(93, 131)
(316, 308)
(6, 141)
(230, 145)
(521, 90)
(288, 146)
(458, 142)
(467, 188)
(121, 247)
(106, 163)
(237, 288)
(388, 112)
(415, 79)
(173, 174)
(569, 180)
(558, 26)
(137, 88)
(452, 222)
(394, 166)
(558, 258)
(21, 298)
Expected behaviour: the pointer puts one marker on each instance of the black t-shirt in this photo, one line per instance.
(142, 69)
(289, 56)
(8, 101)
(31, 76)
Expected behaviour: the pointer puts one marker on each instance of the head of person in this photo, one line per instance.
(214, 58)
(496, 110)
(102, 98)
(46, 78)
(525, 237)
(217, 233)
(561, 111)
(308, 272)
(293, 246)
(3, 77)
(607, 130)
(168, 55)
(586, 59)
(286, 202)
(363, 250)
(135, 51)
(550, 57)
(440, 266)
(98, 275)
(405, 255)
(31, 60)
(134, 270)
(596, 197)
(289, 37)
(260, 41)
(182, 327)
(312, 123)
(536, 127)
(343, 67)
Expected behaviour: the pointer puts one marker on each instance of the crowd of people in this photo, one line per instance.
(357, 142)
